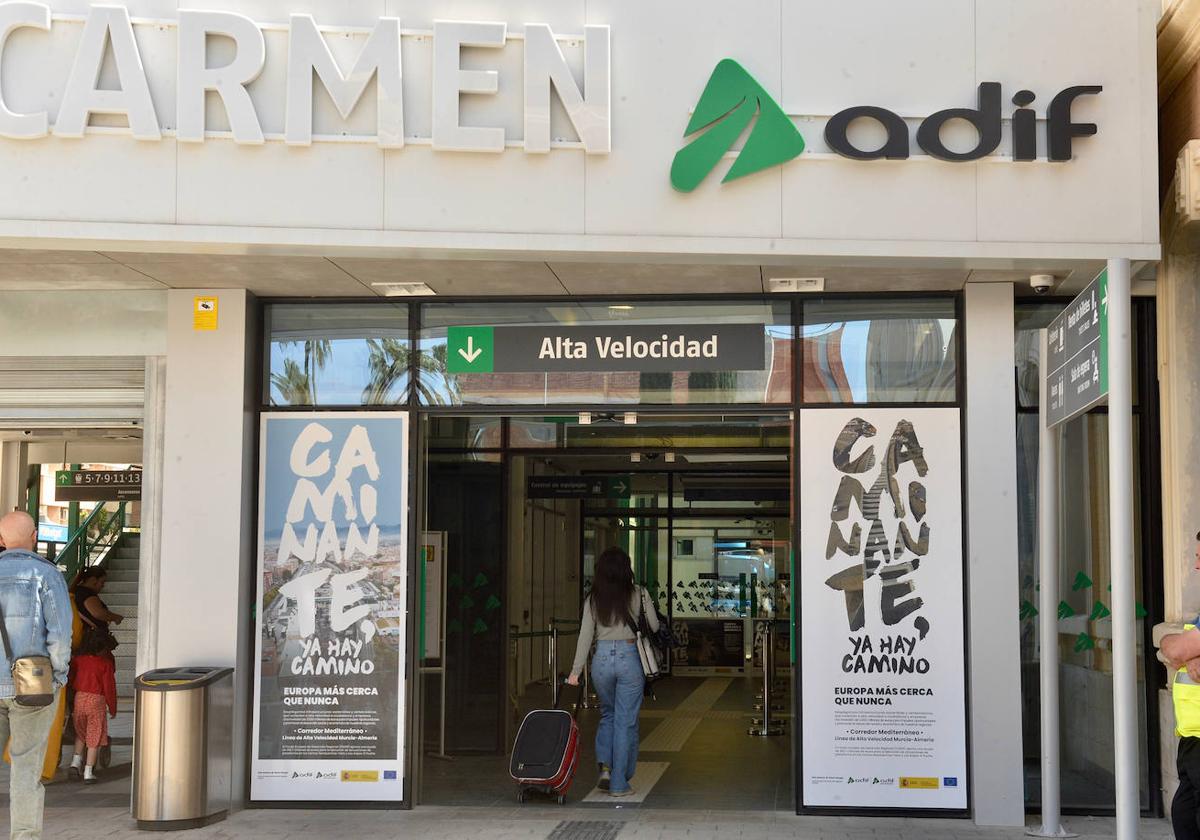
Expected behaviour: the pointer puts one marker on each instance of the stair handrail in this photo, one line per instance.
(77, 552)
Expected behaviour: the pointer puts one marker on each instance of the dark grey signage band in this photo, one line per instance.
(662, 348)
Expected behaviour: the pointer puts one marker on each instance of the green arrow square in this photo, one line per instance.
(619, 487)
(470, 349)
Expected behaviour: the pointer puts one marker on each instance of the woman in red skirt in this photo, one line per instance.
(94, 680)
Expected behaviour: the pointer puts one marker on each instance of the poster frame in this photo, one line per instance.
(803, 809)
(408, 670)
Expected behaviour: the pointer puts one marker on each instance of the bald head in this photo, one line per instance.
(17, 529)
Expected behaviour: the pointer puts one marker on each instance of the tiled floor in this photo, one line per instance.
(540, 821)
(113, 788)
(711, 765)
(720, 783)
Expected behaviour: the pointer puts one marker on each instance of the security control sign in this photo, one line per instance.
(1077, 341)
(642, 348)
(97, 485)
(578, 486)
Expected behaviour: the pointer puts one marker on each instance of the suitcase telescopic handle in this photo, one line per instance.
(578, 695)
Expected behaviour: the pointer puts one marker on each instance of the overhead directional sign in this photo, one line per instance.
(1077, 363)
(578, 487)
(97, 485)
(643, 348)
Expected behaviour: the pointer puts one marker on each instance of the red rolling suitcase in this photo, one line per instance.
(545, 754)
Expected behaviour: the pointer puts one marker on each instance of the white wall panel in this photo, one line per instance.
(914, 58)
(330, 185)
(510, 192)
(96, 178)
(1045, 47)
(814, 57)
(832, 198)
(662, 55)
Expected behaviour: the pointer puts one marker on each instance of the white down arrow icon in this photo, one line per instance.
(471, 353)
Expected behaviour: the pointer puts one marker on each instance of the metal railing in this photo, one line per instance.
(94, 537)
(554, 630)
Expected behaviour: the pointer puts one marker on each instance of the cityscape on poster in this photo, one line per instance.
(883, 701)
(329, 690)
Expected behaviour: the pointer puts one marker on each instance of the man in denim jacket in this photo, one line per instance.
(37, 615)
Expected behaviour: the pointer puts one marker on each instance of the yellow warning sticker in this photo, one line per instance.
(204, 314)
(360, 775)
(919, 782)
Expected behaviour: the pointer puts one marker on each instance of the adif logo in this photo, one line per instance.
(732, 99)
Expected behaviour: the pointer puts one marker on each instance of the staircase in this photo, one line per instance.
(121, 595)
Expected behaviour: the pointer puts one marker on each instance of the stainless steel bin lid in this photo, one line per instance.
(177, 679)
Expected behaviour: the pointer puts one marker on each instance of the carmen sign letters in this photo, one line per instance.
(109, 28)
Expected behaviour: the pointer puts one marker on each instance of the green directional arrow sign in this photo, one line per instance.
(619, 487)
(470, 350)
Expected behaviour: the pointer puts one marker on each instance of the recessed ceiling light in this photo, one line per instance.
(401, 289)
(621, 307)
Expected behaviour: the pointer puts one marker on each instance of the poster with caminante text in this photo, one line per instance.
(330, 640)
(881, 591)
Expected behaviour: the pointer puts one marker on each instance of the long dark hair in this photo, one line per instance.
(612, 586)
(95, 642)
(88, 574)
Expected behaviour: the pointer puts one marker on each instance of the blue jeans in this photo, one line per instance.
(617, 676)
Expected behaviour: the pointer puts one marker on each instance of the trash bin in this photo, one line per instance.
(182, 747)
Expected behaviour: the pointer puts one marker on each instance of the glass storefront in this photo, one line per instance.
(712, 532)
(1083, 618)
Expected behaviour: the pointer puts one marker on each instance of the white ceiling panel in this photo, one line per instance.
(457, 277)
(656, 279)
(62, 277)
(264, 276)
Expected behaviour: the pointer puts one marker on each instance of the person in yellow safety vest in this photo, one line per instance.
(1182, 650)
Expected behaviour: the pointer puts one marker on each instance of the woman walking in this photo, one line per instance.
(610, 614)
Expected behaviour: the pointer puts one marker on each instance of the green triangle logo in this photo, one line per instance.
(730, 101)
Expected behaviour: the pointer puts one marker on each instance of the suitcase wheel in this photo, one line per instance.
(520, 796)
(562, 800)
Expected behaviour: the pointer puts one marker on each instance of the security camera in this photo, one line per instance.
(1041, 283)
(27, 432)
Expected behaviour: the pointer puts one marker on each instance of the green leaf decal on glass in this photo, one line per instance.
(454, 627)
(1084, 642)
(467, 602)
(730, 101)
(492, 603)
(1140, 611)
(478, 627)
(1099, 611)
(1065, 610)
(1082, 581)
(1028, 610)
(480, 580)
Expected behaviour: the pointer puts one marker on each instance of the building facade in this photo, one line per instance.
(477, 232)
